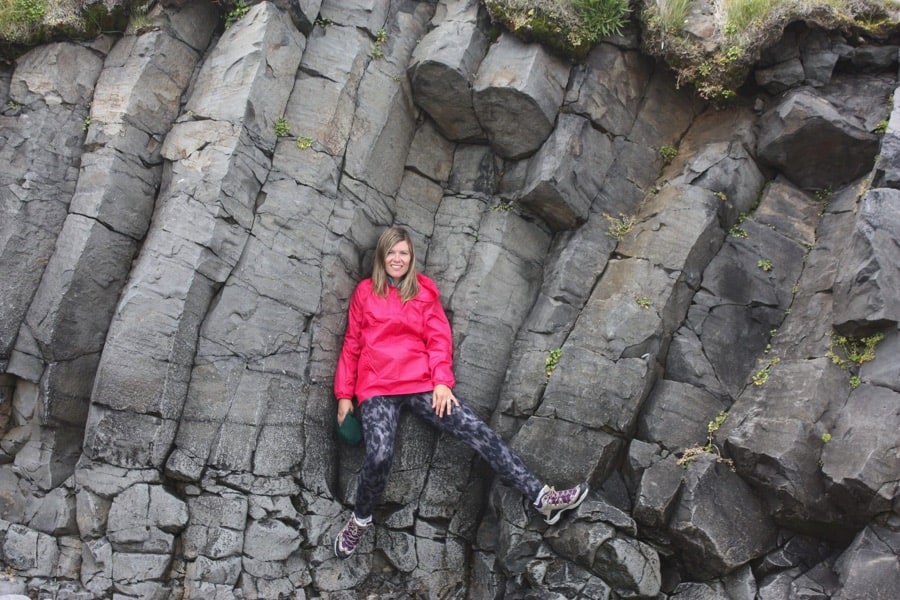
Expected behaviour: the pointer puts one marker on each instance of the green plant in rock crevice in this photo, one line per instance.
(378, 47)
(762, 376)
(240, 9)
(736, 230)
(618, 227)
(668, 153)
(552, 361)
(849, 352)
(282, 127)
(689, 455)
(765, 264)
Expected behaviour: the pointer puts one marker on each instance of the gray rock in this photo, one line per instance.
(726, 169)
(366, 14)
(206, 574)
(96, 569)
(881, 371)
(843, 151)
(694, 216)
(53, 514)
(781, 422)
(820, 51)
(31, 553)
(133, 569)
(203, 252)
(92, 512)
(870, 59)
(270, 540)
(144, 518)
(887, 173)
(718, 525)
(749, 307)
(302, 12)
(868, 569)
(485, 329)
(519, 83)
(193, 23)
(567, 173)
(676, 415)
(571, 464)
(49, 455)
(608, 87)
(216, 356)
(869, 268)
(665, 115)
(38, 185)
(780, 77)
(442, 72)
(13, 495)
(655, 498)
(598, 539)
(859, 462)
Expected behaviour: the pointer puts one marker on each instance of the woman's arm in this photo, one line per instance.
(346, 372)
(345, 406)
(439, 344)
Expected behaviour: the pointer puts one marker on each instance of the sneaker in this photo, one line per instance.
(348, 539)
(553, 504)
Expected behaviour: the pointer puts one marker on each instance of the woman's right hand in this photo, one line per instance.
(345, 406)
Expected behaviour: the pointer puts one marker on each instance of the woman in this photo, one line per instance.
(397, 354)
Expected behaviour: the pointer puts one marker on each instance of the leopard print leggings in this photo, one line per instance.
(380, 416)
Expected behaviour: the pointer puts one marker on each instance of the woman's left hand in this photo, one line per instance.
(443, 400)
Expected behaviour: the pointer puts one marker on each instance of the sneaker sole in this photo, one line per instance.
(553, 519)
(337, 552)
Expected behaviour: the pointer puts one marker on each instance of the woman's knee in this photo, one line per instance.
(379, 459)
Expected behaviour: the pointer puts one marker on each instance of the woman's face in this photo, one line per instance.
(396, 262)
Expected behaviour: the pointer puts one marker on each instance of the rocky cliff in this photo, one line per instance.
(694, 307)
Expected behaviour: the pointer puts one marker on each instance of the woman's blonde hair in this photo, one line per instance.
(409, 286)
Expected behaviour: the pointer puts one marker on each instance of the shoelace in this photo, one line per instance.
(563, 497)
(352, 534)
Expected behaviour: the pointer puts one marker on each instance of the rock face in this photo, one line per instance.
(709, 336)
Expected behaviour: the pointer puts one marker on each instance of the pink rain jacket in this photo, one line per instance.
(392, 347)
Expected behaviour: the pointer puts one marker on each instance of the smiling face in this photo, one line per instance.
(396, 261)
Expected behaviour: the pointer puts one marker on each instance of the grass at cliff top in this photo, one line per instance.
(715, 65)
(735, 31)
(743, 29)
(22, 20)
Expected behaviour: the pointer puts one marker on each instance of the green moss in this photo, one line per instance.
(570, 28)
(28, 23)
(716, 67)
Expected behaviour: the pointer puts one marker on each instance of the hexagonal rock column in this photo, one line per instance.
(518, 92)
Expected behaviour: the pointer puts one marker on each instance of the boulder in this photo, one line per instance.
(607, 88)
(841, 152)
(869, 267)
(868, 567)
(781, 422)
(859, 462)
(443, 70)
(718, 525)
(519, 84)
(566, 174)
